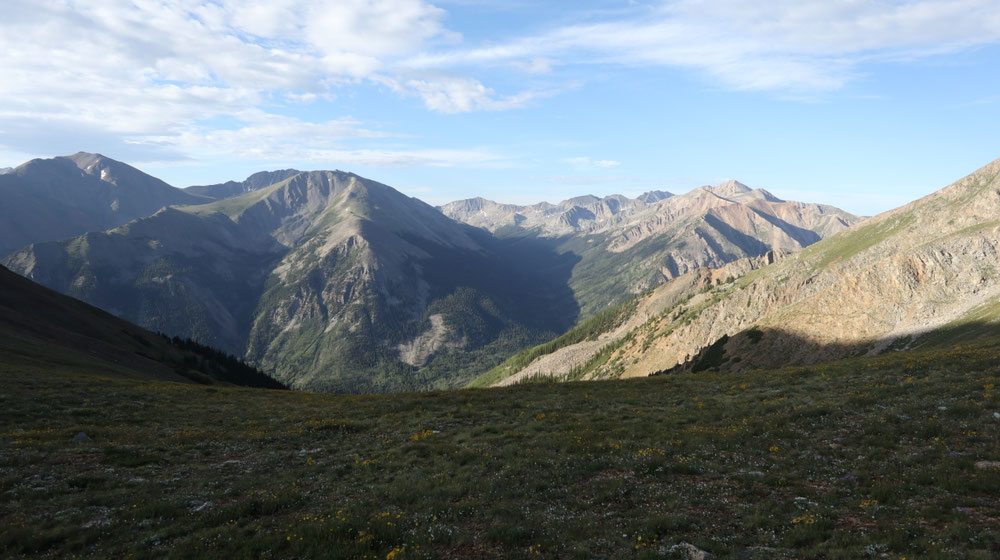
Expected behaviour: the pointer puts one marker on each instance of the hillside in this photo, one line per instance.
(332, 281)
(921, 274)
(62, 197)
(895, 455)
(42, 332)
(627, 246)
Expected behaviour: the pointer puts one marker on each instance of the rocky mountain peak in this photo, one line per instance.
(650, 197)
(730, 188)
(584, 200)
(115, 172)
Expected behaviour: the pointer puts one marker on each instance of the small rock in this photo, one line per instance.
(985, 465)
(202, 507)
(690, 551)
(80, 437)
(98, 522)
(996, 415)
(303, 451)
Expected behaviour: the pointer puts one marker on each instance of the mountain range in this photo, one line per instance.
(626, 246)
(339, 283)
(924, 274)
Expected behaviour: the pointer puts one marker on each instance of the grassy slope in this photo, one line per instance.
(847, 460)
(41, 330)
(235, 205)
(588, 329)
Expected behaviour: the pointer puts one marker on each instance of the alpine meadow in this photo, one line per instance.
(487, 291)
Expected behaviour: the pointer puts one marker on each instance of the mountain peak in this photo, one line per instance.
(84, 159)
(650, 197)
(581, 200)
(731, 187)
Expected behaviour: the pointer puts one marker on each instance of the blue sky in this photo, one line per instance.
(865, 105)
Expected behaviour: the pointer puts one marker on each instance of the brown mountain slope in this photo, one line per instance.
(627, 246)
(897, 280)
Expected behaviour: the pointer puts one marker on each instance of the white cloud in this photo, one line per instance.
(160, 74)
(583, 162)
(450, 93)
(268, 137)
(181, 78)
(799, 45)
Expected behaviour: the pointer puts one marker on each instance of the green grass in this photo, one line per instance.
(853, 241)
(872, 458)
(588, 329)
(236, 205)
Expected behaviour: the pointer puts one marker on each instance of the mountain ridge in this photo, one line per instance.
(899, 279)
(334, 281)
(630, 245)
(61, 197)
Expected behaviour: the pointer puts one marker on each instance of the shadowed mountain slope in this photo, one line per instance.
(58, 198)
(41, 330)
(333, 281)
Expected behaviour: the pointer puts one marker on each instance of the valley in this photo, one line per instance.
(337, 283)
(836, 401)
(449, 280)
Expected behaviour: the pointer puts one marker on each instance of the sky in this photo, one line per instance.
(862, 104)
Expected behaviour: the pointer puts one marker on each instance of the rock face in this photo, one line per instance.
(627, 246)
(925, 273)
(330, 280)
(58, 198)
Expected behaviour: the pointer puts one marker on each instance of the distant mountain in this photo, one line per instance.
(332, 281)
(924, 274)
(52, 199)
(4, 170)
(653, 196)
(235, 188)
(53, 334)
(626, 246)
